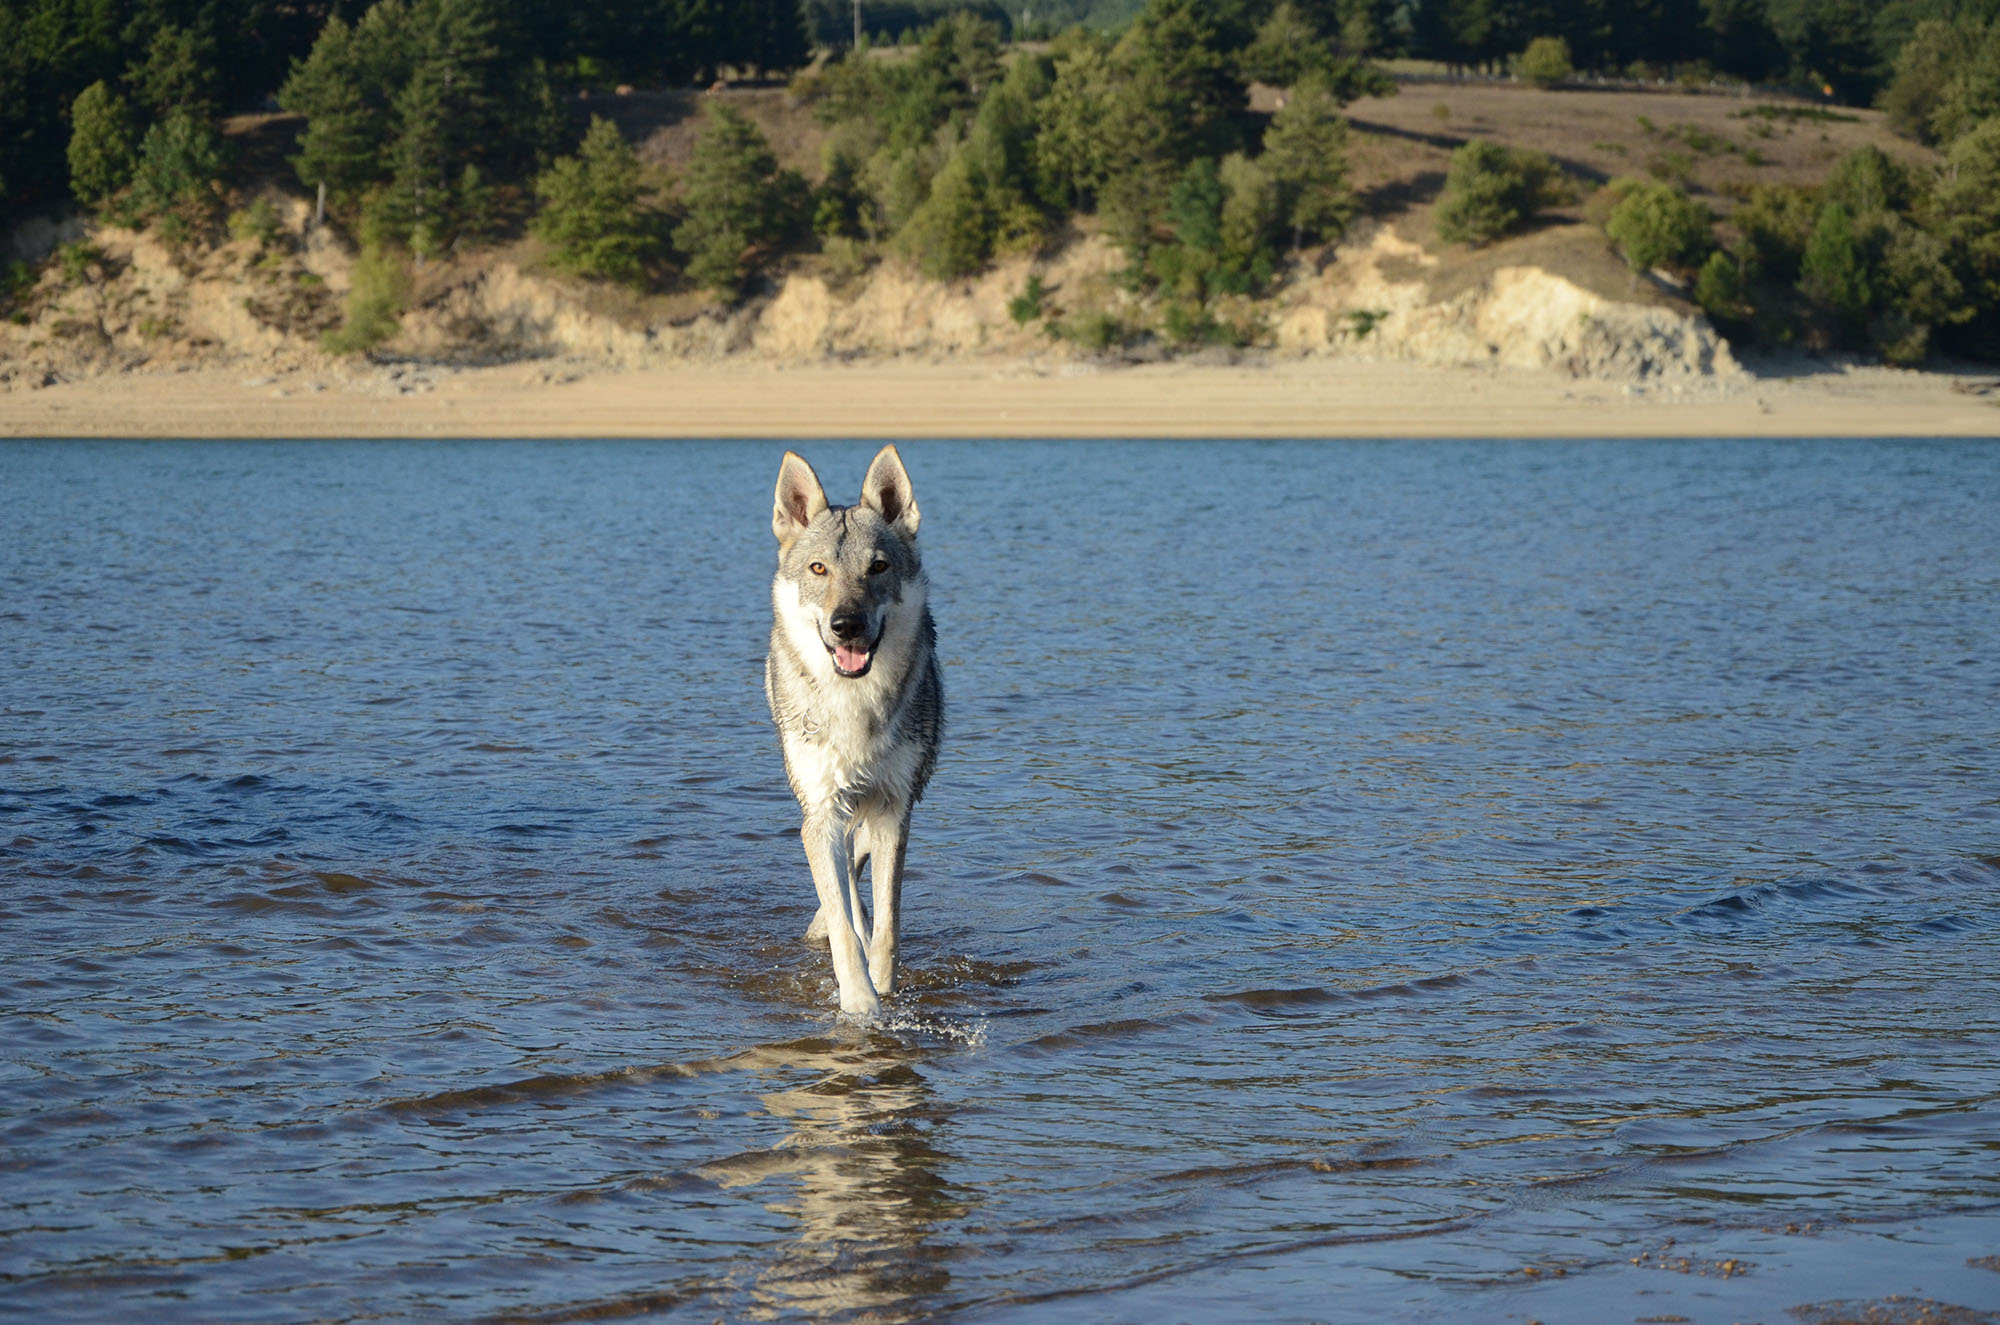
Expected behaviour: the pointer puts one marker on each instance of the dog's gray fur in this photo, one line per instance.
(853, 681)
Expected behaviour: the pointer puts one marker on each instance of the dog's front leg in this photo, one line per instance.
(886, 832)
(826, 852)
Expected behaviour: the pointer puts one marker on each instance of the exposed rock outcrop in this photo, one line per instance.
(1375, 299)
(126, 301)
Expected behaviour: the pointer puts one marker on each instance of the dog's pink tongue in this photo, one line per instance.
(849, 658)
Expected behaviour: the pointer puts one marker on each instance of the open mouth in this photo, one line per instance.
(851, 660)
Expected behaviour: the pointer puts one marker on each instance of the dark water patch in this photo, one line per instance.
(479, 1099)
(1283, 1002)
(1097, 1035)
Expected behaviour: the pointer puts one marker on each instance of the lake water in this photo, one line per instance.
(1408, 881)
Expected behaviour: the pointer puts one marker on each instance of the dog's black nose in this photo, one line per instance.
(846, 625)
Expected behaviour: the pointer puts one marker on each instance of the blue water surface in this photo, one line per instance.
(1421, 881)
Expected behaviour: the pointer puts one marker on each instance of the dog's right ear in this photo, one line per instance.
(800, 498)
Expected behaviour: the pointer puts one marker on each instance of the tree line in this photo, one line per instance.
(208, 58)
(432, 125)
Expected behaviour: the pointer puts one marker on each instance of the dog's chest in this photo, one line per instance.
(843, 750)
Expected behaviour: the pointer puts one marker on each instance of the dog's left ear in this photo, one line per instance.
(887, 492)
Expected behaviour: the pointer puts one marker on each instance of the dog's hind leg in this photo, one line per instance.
(826, 852)
(886, 833)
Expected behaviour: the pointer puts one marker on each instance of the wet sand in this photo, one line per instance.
(995, 398)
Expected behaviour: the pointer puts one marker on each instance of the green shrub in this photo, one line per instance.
(374, 303)
(76, 260)
(1492, 190)
(1187, 322)
(102, 151)
(259, 223)
(177, 180)
(1094, 329)
(952, 232)
(1656, 225)
(1545, 63)
(1250, 212)
(1946, 80)
(1774, 224)
(1026, 306)
(1834, 271)
(1868, 180)
(16, 279)
(1721, 290)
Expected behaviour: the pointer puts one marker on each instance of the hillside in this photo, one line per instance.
(1556, 297)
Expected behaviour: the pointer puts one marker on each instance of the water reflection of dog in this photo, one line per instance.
(868, 1191)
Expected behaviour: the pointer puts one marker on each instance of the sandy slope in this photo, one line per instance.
(981, 397)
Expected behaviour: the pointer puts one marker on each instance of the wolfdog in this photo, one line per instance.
(853, 681)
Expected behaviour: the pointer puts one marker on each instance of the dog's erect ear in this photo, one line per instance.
(887, 492)
(800, 498)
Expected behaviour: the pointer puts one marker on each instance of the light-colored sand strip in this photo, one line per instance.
(994, 398)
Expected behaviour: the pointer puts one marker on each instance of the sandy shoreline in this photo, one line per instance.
(972, 397)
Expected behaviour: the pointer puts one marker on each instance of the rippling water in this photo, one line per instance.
(1418, 881)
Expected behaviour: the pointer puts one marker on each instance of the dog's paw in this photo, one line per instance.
(816, 931)
(862, 1006)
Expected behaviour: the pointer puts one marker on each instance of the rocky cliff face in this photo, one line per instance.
(123, 302)
(1378, 299)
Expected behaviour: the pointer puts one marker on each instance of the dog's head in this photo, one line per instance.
(847, 568)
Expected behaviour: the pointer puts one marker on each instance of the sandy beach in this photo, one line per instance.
(972, 397)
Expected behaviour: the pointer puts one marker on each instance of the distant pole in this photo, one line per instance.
(857, 24)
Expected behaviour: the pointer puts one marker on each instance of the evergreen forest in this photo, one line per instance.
(956, 134)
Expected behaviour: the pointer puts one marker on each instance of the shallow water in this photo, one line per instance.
(1415, 881)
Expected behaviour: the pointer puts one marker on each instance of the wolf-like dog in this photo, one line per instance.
(852, 676)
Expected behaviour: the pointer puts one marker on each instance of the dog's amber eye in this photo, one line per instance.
(877, 566)
(817, 568)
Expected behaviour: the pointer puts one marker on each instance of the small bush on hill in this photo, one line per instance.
(374, 302)
(1545, 63)
(177, 181)
(1492, 190)
(1656, 225)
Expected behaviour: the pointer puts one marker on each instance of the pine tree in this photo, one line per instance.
(347, 112)
(737, 201)
(178, 72)
(1305, 156)
(102, 150)
(951, 234)
(1070, 147)
(774, 36)
(177, 178)
(1288, 47)
(1178, 43)
(1835, 270)
(447, 113)
(593, 208)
